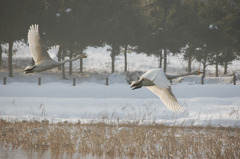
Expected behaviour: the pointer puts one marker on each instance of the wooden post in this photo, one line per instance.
(107, 81)
(74, 81)
(39, 81)
(4, 80)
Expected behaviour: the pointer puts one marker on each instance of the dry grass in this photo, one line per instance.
(129, 140)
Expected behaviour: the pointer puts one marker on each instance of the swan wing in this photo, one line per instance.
(37, 50)
(167, 97)
(158, 77)
(53, 52)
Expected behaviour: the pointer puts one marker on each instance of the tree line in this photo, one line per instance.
(207, 31)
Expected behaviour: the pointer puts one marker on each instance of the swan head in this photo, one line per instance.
(141, 82)
(29, 69)
(136, 84)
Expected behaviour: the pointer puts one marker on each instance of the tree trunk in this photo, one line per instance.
(165, 61)
(160, 58)
(204, 73)
(81, 63)
(125, 58)
(59, 56)
(113, 54)
(189, 63)
(63, 71)
(216, 74)
(10, 67)
(204, 67)
(113, 60)
(225, 67)
(203, 76)
(0, 56)
(70, 62)
(63, 66)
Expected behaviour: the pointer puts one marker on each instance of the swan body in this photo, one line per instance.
(158, 82)
(42, 59)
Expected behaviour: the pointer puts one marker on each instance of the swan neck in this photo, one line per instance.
(69, 60)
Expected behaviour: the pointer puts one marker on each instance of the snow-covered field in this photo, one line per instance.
(216, 103)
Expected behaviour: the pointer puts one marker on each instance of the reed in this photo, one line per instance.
(128, 139)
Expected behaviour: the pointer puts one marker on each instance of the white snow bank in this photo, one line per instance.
(214, 104)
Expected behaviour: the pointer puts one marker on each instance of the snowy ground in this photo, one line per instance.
(216, 103)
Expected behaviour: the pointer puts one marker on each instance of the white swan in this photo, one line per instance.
(41, 57)
(158, 82)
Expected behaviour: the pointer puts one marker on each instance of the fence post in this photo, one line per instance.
(4, 80)
(74, 81)
(107, 81)
(39, 81)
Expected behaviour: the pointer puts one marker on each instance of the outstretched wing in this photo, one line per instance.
(53, 52)
(158, 77)
(162, 88)
(37, 50)
(167, 97)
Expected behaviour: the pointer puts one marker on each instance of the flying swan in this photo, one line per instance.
(40, 55)
(158, 82)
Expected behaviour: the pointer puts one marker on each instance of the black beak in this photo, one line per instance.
(29, 69)
(136, 85)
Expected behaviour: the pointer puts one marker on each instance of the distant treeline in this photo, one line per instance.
(207, 31)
